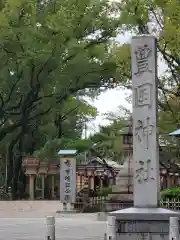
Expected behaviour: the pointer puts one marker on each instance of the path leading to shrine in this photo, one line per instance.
(19, 221)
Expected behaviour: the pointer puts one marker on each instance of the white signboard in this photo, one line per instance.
(68, 180)
(145, 139)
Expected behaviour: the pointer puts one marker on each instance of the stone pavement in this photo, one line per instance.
(18, 223)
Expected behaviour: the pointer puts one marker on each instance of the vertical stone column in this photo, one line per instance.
(81, 180)
(169, 181)
(89, 181)
(163, 181)
(68, 180)
(146, 220)
(145, 137)
(92, 182)
(31, 186)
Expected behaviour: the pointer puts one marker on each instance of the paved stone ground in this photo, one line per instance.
(66, 229)
(27, 225)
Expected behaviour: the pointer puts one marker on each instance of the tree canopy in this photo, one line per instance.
(107, 143)
(161, 19)
(53, 54)
(48, 54)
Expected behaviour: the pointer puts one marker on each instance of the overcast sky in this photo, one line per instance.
(111, 99)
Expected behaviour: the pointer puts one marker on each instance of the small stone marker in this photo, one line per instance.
(50, 224)
(111, 234)
(68, 177)
(145, 139)
(174, 228)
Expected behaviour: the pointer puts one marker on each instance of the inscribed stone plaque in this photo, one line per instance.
(68, 180)
(161, 227)
(145, 139)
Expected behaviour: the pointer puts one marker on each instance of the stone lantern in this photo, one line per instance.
(31, 166)
(43, 169)
(124, 180)
(53, 170)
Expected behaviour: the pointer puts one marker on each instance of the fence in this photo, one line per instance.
(104, 204)
(92, 204)
(173, 204)
(100, 204)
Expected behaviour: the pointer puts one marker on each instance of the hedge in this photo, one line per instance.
(170, 193)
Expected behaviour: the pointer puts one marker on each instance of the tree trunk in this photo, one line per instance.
(60, 131)
(14, 164)
(14, 184)
(10, 161)
(16, 192)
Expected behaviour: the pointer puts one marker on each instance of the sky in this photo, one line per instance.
(111, 99)
(108, 102)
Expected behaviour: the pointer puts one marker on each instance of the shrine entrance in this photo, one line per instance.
(43, 178)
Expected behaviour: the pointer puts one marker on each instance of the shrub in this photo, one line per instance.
(105, 191)
(171, 193)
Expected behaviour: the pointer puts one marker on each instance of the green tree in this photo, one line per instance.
(73, 118)
(107, 143)
(160, 18)
(50, 53)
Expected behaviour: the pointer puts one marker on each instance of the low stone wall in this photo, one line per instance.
(113, 206)
(28, 208)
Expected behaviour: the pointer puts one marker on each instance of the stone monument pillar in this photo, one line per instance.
(145, 219)
(68, 178)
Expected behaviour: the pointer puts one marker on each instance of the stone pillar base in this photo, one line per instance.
(66, 207)
(121, 196)
(141, 223)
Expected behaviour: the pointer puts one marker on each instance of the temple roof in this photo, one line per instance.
(67, 152)
(110, 163)
(175, 133)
